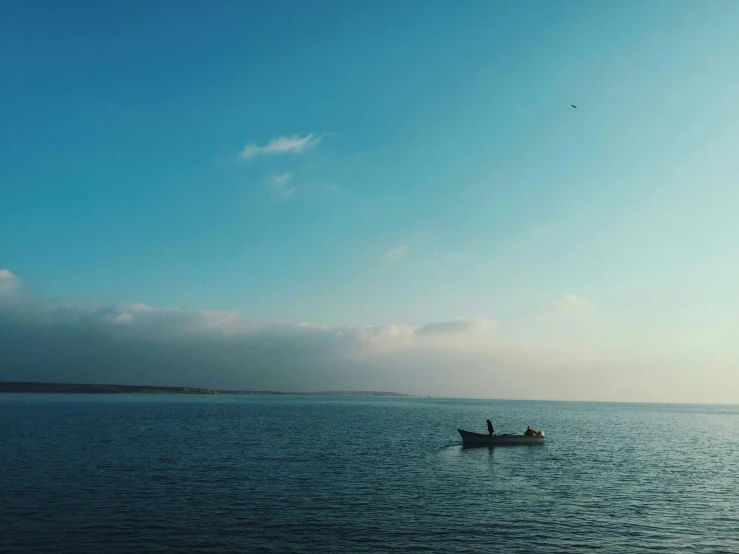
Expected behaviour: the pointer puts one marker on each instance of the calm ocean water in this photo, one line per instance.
(314, 474)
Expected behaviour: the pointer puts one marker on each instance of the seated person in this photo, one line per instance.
(529, 432)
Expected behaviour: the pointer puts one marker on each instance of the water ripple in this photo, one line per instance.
(191, 474)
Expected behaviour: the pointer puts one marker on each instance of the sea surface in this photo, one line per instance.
(125, 473)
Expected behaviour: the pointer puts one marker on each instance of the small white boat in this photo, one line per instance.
(479, 439)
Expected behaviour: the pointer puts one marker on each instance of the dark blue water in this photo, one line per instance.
(309, 474)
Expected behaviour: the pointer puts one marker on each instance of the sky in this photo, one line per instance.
(374, 195)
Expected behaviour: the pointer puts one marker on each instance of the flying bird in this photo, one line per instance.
(573, 105)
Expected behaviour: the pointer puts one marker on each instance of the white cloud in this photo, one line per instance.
(282, 145)
(278, 185)
(9, 283)
(371, 341)
(404, 244)
(397, 253)
(573, 304)
(140, 344)
(12, 289)
(164, 321)
(458, 326)
(281, 180)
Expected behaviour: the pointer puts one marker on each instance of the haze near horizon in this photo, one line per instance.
(372, 196)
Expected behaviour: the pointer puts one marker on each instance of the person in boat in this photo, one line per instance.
(529, 431)
(490, 428)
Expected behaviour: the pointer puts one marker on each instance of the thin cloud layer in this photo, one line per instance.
(9, 283)
(397, 253)
(573, 304)
(41, 340)
(294, 144)
(279, 185)
(458, 326)
(145, 319)
(137, 343)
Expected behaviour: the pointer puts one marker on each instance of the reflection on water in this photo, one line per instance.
(224, 474)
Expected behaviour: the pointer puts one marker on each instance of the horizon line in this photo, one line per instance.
(8, 386)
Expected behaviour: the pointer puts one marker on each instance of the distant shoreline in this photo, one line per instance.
(26, 387)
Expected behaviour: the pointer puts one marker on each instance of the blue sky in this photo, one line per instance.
(431, 167)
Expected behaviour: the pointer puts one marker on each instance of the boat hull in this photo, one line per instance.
(478, 439)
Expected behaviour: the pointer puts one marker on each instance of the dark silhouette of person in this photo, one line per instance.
(490, 427)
